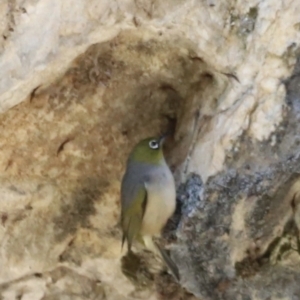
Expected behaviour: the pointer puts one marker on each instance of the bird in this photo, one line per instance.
(148, 197)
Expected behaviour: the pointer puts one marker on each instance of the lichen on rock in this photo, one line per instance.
(83, 81)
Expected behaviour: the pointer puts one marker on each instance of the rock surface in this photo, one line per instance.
(82, 81)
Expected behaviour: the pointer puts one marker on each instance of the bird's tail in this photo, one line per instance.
(158, 250)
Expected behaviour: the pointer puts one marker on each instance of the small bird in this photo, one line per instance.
(148, 197)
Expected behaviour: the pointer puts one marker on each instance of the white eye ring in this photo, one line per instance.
(153, 144)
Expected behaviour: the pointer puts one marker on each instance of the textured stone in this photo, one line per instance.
(82, 81)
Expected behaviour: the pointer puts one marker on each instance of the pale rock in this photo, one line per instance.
(83, 80)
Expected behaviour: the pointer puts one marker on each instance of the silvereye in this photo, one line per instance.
(148, 197)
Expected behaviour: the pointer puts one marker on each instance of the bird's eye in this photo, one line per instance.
(153, 144)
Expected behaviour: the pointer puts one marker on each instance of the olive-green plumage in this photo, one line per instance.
(143, 153)
(148, 196)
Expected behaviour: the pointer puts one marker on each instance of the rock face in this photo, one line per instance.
(83, 81)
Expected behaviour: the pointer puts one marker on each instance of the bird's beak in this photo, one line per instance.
(162, 138)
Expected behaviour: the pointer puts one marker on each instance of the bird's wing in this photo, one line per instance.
(132, 214)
